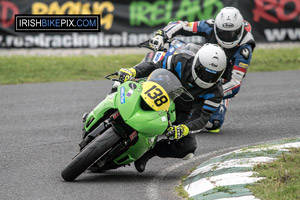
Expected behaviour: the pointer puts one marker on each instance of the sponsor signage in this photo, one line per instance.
(273, 20)
(128, 23)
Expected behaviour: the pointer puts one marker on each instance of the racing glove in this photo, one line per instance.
(126, 74)
(158, 40)
(177, 132)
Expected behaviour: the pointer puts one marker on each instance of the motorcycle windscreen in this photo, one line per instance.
(169, 82)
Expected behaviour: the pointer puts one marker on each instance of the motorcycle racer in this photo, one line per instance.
(231, 32)
(199, 75)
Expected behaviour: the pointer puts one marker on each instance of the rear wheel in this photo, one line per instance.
(90, 154)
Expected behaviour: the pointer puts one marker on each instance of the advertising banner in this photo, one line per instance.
(128, 23)
(272, 20)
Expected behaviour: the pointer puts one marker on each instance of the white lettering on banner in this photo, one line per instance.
(67, 41)
(81, 40)
(273, 35)
(56, 42)
(294, 34)
(18, 42)
(116, 40)
(93, 41)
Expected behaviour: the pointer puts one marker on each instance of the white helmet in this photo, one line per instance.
(229, 27)
(209, 65)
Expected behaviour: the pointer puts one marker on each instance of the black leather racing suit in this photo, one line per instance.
(194, 114)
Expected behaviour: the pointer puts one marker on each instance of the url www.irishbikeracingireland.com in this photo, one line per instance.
(41, 23)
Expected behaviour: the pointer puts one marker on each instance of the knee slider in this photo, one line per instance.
(217, 119)
(216, 124)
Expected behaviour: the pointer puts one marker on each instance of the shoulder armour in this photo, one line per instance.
(248, 39)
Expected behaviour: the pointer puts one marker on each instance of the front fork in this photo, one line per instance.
(92, 135)
(87, 138)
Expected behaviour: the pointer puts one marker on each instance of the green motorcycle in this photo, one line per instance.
(126, 124)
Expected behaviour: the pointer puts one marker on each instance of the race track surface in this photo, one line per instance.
(40, 126)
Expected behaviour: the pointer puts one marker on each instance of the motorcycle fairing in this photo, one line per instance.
(128, 101)
(100, 110)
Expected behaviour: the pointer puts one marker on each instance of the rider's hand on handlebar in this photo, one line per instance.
(126, 74)
(158, 40)
(177, 132)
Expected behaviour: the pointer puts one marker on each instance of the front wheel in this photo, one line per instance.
(90, 154)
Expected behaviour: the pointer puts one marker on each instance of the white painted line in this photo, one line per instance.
(152, 190)
(243, 162)
(199, 187)
(210, 183)
(235, 179)
(282, 147)
(249, 197)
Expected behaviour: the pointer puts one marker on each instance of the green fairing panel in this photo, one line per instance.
(128, 105)
(137, 150)
(128, 99)
(149, 122)
(145, 121)
(101, 108)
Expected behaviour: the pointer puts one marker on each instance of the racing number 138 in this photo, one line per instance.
(156, 95)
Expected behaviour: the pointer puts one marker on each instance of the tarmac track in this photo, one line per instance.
(40, 126)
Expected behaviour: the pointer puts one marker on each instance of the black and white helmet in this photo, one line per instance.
(209, 65)
(229, 27)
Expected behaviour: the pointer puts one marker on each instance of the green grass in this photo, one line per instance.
(22, 69)
(282, 178)
(180, 189)
(181, 192)
(275, 60)
(34, 69)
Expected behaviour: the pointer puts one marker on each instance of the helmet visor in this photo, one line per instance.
(205, 74)
(228, 36)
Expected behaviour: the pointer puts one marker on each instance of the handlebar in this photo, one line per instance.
(113, 74)
(146, 45)
(116, 79)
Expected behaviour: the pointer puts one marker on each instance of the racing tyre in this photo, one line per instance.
(90, 154)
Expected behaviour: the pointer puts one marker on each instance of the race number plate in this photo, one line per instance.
(155, 96)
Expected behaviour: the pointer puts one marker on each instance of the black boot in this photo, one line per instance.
(140, 164)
